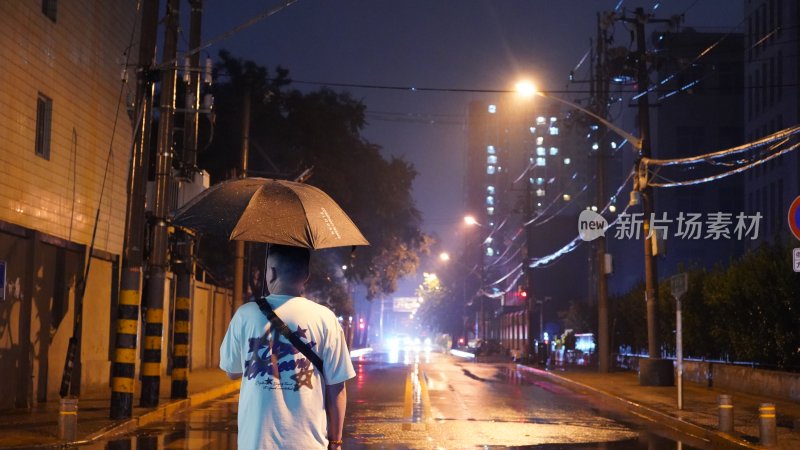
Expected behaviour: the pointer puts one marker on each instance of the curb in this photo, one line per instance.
(161, 412)
(716, 438)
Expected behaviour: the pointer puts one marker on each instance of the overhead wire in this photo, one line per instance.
(225, 35)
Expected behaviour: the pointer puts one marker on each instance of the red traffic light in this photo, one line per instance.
(523, 294)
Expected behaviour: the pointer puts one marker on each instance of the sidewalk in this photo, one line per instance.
(39, 426)
(699, 416)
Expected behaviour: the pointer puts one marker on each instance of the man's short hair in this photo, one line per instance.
(292, 262)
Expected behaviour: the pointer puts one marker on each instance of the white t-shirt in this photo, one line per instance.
(285, 411)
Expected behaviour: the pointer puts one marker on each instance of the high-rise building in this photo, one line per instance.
(699, 111)
(519, 172)
(771, 76)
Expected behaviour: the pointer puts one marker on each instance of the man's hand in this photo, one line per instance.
(234, 376)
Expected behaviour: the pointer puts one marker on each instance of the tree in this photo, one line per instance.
(441, 309)
(293, 131)
(743, 312)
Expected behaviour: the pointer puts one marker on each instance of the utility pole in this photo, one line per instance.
(158, 260)
(123, 365)
(183, 254)
(526, 260)
(238, 267)
(654, 371)
(601, 109)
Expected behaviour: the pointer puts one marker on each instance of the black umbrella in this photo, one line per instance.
(271, 211)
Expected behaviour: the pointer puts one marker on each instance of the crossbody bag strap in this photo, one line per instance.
(284, 330)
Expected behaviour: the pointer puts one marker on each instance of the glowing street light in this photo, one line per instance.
(470, 220)
(444, 256)
(527, 89)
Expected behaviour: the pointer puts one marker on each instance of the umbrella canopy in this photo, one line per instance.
(272, 211)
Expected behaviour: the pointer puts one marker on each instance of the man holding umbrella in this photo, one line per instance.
(285, 401)
(290, 352)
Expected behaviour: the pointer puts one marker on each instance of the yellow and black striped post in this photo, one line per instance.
(158, 258)
(124, 364)
(180, 352)
(180, 327)
(151, 354)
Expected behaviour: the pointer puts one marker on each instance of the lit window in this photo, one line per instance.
(490, 149)
(531, 180)
(492, 159)
(594, 127)
(553, 119)
(492, 109)
(595, 146)
(533, 130)
(553, 151)
(44, 118)
(540, 192)
(554, 131)
(490, 190)
(490, 170)
(540, 120)
(490, 200)
(566, 197)
(539, 140)
(489, 251)
(491, 224)
(540, 162)
(613, 145)
(567, 161)
(541, 151)
(490, 210)
(540, 181)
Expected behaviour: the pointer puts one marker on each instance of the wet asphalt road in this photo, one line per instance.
(422, 400)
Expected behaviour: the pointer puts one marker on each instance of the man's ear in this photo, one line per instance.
(273, 274)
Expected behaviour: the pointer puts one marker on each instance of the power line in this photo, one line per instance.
(221, 37)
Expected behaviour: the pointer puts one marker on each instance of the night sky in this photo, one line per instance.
(449, 44)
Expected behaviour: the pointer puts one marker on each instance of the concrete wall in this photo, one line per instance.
(769, 383)
(211, 313)
(745, 379)
(37, 316)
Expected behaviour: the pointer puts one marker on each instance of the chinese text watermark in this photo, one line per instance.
(688, 226)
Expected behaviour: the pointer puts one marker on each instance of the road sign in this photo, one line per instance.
(679, 285)
(2, 280)
(796, 259)
(794, 217)
(405, 304)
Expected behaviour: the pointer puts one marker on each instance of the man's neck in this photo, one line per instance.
(294, 291)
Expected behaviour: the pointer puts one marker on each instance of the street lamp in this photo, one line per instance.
(642, 145)
(470, 220)
(527, 89)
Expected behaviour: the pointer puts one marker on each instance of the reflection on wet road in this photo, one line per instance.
(424, 400)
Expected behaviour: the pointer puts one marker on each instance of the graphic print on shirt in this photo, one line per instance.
(264, 358)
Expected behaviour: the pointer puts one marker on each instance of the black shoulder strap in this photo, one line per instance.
(284, 330)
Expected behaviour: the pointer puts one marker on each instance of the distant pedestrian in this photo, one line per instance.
(284, 400)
